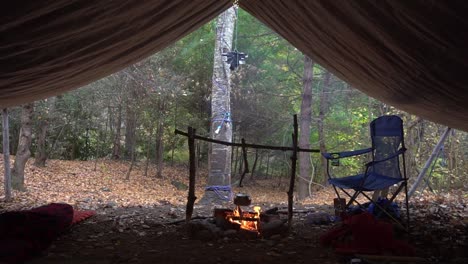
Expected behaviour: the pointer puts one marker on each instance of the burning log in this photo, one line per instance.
(250, 225)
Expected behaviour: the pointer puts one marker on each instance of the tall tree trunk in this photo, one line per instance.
(118, 124)
(132, 163)
(268, 166)
(323, 105)
(160, 148)
(236, 160)
(41, 151)
(24, 143)
(305, 164)
(221, 127)
(6, 155)
(148, 151)
(130, 129)
(254, 166)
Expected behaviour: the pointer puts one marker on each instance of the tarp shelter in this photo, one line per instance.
(410, 54)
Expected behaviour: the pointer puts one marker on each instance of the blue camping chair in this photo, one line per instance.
(381, 172)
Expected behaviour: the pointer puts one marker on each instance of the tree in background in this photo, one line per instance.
(6, 155)
(174, 88)
(44, 122)
(23, 153)
(305, 164)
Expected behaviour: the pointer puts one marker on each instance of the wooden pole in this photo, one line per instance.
(255, 146)
(293, 172)
(6, 155)
(429, 162)
(246, 164)
(192, 172)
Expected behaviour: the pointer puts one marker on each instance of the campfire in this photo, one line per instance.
(245, 220)
(240, 222)
(249, 223)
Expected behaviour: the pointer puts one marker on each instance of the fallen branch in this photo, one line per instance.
(181, 221)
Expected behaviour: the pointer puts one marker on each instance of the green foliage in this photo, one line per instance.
(173, 87)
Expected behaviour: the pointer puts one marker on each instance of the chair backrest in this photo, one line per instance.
(387, 138)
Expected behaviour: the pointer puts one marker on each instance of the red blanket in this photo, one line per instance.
(364, 234)
(24, 234)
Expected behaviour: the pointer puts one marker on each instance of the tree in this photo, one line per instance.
(116, 150)
(219, 171)
(24, 143)
(321, 119)
(41, 151)
(6, 155)
(305, 163)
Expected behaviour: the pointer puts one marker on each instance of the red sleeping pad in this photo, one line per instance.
(24, 234)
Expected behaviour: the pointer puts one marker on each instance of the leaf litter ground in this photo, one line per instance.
(135, 221)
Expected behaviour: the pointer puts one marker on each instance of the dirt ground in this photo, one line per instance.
(144, 235)
(141, 220)
(139, 236)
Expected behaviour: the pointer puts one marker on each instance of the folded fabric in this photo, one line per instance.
(364, 234)
(24, 234)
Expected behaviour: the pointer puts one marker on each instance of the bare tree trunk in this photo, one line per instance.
(221, 126)
(41, 152)
(148, 151)
(132, 157)
(268, 166)
(118, 124)
(304, 139)
(260, 164)
(160, 148)
(254, 166)
(6, 155)
(174, 138)
(24, 143)
(130, 129)
(236, 160)
(322, 112)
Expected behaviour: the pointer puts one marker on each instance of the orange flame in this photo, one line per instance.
(246, 220)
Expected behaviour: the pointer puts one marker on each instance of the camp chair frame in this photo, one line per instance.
(370, 180)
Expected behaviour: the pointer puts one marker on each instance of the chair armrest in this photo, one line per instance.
(399, 152)
(345, 154)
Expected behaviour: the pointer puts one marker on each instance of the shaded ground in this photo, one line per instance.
(135, 220)
(139, 237)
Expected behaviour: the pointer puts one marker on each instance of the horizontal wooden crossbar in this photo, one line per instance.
(254, 146)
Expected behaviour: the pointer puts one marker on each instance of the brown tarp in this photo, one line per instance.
(48, 47)
(410, 54)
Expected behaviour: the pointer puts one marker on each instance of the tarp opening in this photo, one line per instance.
(409, 54)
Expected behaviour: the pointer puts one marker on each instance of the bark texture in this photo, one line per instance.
(117, 146)
(323, 106)
(6, 154)
(221, 127)
(41, 152)
(24, 143)
(305, 163)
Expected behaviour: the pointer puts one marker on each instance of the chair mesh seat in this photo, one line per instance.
(373, 182)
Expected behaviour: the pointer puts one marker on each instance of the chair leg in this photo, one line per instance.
(396, 193)
(384, 210)
(407, 207)
(336, 191)
(352, 197)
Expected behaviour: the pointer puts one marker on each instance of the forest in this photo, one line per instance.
(133, 113)
(126, 122)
